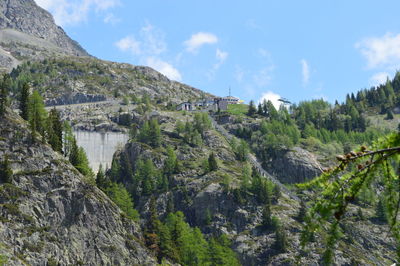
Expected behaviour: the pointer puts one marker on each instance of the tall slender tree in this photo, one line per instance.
(37, 114)
(5, 171)
(24, 101)
(252, 109)
(5, 85)
(55, 130)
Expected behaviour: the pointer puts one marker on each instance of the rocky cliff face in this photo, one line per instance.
(295, 166)
(25, 16)
(28, 32)
(50, 215)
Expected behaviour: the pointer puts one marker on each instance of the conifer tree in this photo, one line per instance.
(302, 212)
(281, 241)
(4, 90)
(120, 196)
(170, 163)
(389, 115)
(55, 130)
(380, 211)
(24, 101)
(276, 193)
(260, 109)
(68, 139)
(252, 109)
(266, 215)
(79, 160)
(155, 133)
(37, 114)
(5, 171)
(101, 180)
(212, 162)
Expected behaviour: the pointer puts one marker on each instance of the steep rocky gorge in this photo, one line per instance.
(51, 215)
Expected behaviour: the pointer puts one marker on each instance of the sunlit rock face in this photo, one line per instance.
(100, 146)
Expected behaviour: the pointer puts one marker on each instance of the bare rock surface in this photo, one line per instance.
(51, 214)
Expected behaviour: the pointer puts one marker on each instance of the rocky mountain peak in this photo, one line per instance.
(27, 17)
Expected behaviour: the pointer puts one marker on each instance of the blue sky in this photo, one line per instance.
(298, 50)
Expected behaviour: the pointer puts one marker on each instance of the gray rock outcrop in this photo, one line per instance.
(51, 215)
(25, 16)
(296, 166)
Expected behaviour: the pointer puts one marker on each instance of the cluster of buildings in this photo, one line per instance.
(209, 104)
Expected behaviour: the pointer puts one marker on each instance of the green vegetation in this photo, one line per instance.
(37, 114)
(176, 240)
(237, 109)
(5, 85)
(366, 168)
(118, 194)
(3, 260)
(193, 132)
(6, 172)
(212, 162)
(55, 130)
(24, 101)
(79, 160)
(150, 133)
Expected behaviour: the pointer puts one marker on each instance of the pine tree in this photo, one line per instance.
(242, 150)
(212, 162)
(389, 115)
(5, 86)
(260, 109)
(37, 114)
(101, 180)
(6, 172)
(267, 216)
(170, 163)
(155, 133)
(120, 196)
(79, 160)
(68, 137)
(55, 130)
(380, 211)
(252, 109)
(24, 101)
(281, 241)
(302, 212)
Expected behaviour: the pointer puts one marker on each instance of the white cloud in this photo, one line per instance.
(72, 12)
(305, 70)
(271, 96)
(148, 50)
(381, 51)
(239, 73)
(45, 4)
(110, 18)
(379, 78)
(164, 67)
(252, 23)
(199, 39)
(153, 39)
(264, 53)
(221, 57)
(129, 44)
(264, 76)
